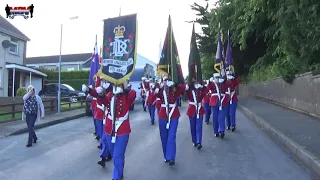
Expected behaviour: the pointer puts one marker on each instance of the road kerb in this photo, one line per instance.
(299, 152)
(49, 123)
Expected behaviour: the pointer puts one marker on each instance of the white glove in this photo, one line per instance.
(197, 86)
(156, 91)
(84, 88)
(200, 86)
(106, 85)
(211, 79)
(221, 80)
(161, 85)
(90, 86)
(170, 83)
(117, 90)
(152, 85)
(99, 89)
(187, 87)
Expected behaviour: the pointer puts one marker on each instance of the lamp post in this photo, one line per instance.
(59, 83)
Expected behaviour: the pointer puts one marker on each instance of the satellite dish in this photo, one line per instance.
(6, 44)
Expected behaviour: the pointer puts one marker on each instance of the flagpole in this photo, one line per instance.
(120, 11)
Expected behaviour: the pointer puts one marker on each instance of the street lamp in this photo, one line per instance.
(59, 83)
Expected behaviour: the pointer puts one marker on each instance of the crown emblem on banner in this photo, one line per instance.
(119, 31)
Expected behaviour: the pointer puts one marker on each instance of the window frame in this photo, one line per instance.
(17, 48)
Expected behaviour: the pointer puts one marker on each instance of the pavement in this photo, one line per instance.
(297, 132)
(19, 126)
(68, 151)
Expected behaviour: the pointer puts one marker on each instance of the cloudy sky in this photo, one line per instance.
(79, 35)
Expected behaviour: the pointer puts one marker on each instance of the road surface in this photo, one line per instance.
(68, 151)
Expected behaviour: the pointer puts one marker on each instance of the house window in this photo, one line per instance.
(14, 47)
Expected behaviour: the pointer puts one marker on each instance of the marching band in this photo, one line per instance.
(112, 100)
(214, 98)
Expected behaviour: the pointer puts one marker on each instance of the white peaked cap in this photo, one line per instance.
(211, 79)
(143, 78)
(228, 72)
(165, 78)
(150, 79)
(216, 74)
(30, 87)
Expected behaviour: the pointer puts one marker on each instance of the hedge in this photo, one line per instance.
(66, 75)
(75, 83)
(21, 91)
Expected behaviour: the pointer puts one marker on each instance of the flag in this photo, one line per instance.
(119, 48)
(229, 60)
(219, 64)
(169, 63)
(194, 60)
(94, 64)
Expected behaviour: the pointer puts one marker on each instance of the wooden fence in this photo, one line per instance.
(12, 110)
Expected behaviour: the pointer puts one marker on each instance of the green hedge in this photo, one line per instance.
(67, 75)
(21, 91)
(75, 83)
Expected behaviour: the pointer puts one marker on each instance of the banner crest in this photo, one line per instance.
(119, 48)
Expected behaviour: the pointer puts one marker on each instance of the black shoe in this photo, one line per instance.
(100, 147)
(35, 140)
(108, 158)
(217, 135)
(102, 162)
(95, 133)
(207, 122)
(28, 145)
(222, 135)
(194, 145)
(228, 128)
(97, 138)
(171, 163)
(152, 123)
(166, 161)
(233, 128)
(199, 146)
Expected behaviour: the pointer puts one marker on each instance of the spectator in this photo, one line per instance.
(31, 112)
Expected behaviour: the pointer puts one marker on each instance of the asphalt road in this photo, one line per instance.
(68, 151)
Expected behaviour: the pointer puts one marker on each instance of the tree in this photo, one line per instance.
(270, 38)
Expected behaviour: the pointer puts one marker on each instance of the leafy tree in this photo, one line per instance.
(270, 38)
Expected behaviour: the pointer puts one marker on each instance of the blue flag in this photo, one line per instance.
(219, 65)
(95, 66)
(229, 60)
(119, 48)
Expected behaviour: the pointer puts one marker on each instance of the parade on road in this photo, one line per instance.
(112, 96)
(166, 97)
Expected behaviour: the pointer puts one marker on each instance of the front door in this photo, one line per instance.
(16, 82)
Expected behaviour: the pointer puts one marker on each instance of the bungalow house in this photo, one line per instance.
(13, 74)
(82, 61)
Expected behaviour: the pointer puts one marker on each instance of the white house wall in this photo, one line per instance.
(5, 56)
(142, 61)
(4, 88)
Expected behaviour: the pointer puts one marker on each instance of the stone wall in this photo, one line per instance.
(303, 94)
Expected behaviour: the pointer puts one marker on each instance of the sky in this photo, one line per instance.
(79, 35)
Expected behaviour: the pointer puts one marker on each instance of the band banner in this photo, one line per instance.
(119, 48)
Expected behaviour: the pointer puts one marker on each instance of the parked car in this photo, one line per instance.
(51, 90)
